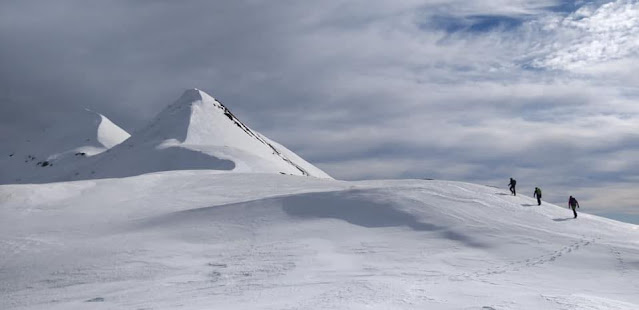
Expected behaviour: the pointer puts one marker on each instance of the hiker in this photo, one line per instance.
(511, 186)
(538, 195)
(573, 203)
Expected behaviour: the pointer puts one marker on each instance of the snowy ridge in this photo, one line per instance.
(297, 160)
(263, 140)
(203, 97)
(203, 240)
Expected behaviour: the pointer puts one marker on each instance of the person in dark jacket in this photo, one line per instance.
(573, 203)
(511, 186)
(537, 194)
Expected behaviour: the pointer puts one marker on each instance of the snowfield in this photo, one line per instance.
(198, 239)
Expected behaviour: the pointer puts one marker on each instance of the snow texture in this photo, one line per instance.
(204, 240)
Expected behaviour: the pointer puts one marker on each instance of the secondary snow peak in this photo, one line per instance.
(42, 156)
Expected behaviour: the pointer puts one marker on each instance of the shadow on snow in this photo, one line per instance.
(361, 208)
(563, 219)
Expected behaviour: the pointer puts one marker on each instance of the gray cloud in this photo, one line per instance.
(475, 91)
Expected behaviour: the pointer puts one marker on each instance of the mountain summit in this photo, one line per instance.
(196, 132)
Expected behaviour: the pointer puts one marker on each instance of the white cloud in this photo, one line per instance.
(592, 35)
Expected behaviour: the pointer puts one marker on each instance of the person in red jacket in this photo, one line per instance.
(573, 203)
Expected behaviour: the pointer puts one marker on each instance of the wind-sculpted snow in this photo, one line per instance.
(369, 209)
(203, 240)
(361, 208)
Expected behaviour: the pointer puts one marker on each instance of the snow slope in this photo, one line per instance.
(62, 144)
(195, 132)
(204, 240)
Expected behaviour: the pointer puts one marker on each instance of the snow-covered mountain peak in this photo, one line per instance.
(191, 95)
(196, 132)
(197, 118)
(108, 133)
(194, 96)
(198, 121)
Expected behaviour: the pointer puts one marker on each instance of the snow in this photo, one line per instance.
(198, 211)
(64, 143)
(195, 132)
(109, 134)
(312, 170)
(201, 239)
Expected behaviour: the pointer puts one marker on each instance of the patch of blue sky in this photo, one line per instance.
(528, 65)
(487, 23)
(569, 6)
(565, 6)
(474, 23)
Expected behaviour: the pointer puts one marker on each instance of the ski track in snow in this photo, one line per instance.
(527, 263)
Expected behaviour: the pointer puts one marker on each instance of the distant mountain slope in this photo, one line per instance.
(195, 132)
(43, 154)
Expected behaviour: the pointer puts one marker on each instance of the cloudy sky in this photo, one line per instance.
(545, 91)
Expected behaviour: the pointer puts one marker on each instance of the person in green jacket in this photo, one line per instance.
(538, 195)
